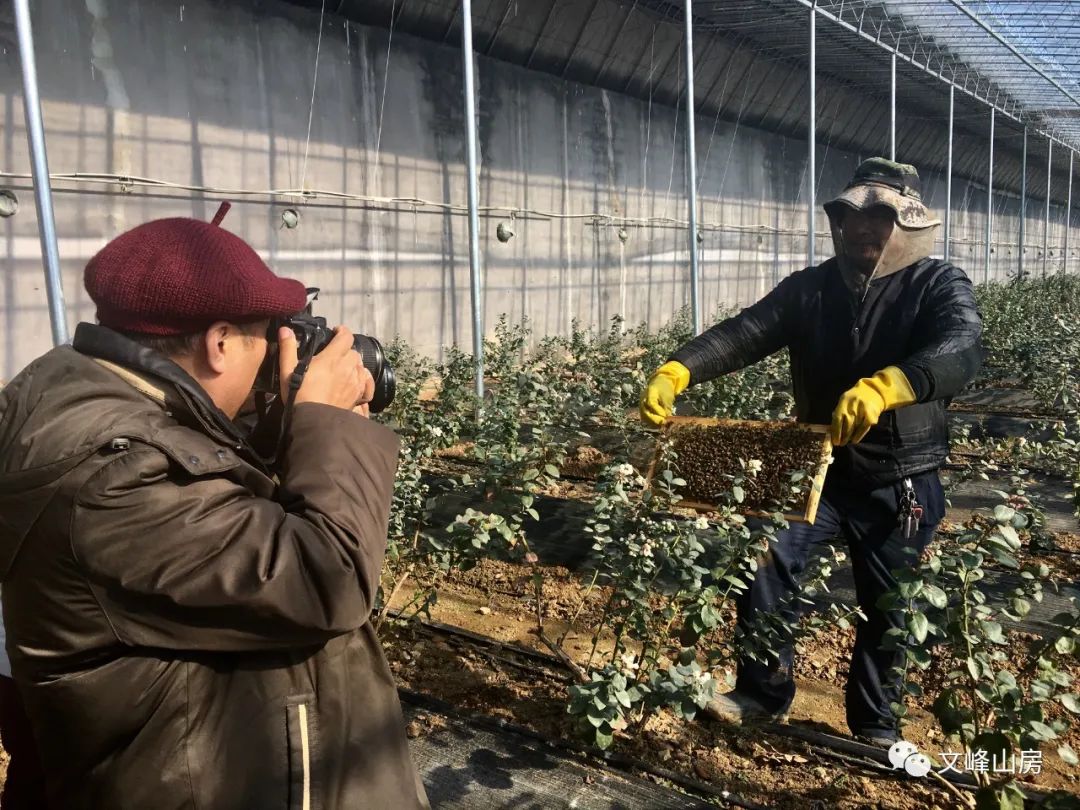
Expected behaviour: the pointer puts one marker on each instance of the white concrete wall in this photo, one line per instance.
(218, 96)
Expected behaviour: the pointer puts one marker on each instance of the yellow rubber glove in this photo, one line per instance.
(666, 383)
(861, 406)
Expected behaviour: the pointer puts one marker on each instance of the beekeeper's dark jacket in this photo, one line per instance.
(921, 318)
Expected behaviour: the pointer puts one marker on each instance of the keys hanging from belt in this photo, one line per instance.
(910, 513)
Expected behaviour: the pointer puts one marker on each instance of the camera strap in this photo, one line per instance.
(296, 379)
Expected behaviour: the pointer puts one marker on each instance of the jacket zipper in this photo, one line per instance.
(305, 755)
(861, 304)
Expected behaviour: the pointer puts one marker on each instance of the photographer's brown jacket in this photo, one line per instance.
(185, 632)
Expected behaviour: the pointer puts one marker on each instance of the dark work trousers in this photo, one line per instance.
(24, 787)
(868, 522)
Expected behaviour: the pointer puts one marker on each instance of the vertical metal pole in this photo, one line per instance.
(35, 134)
(811, 161)
(948, 174)
(1023, 208)
(474, 195)
(1046, 221)
(1068, 214)
(892, 109)
(691, 172)
(989, 202)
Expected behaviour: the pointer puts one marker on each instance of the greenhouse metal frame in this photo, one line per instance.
(1017, 62)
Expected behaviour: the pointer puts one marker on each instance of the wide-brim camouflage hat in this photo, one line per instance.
(878, 181)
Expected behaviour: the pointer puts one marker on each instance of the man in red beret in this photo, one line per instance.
(189, 628)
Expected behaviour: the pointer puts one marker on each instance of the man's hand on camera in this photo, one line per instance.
(368, 393)
(336, 375)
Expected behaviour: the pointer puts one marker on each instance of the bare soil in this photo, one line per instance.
(495, 600)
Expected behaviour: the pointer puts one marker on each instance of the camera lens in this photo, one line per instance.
(374, 360)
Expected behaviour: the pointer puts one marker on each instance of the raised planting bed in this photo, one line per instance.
(710, 454)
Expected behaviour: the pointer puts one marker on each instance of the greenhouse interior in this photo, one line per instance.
(609, 254)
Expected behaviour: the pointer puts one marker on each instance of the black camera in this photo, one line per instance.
(312, 336)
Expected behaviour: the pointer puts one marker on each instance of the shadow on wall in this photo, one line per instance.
(218, 97)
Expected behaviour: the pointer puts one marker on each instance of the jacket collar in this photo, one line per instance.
(140, 384)
(162, 380)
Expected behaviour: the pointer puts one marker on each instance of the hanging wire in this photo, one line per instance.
(311, 109)
(386, 80)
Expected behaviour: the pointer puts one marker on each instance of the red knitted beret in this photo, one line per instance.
(177, 276)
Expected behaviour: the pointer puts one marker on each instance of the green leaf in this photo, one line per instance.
(947, 710)
(918, 625)
(993, 632)
(1065, 645)
(1021, 607)
(1062, 679)
(989, 798)
(909, 590)
(738, 494)
(994, 743)
(1060, 800)
(935, 596)
(1071, 702)
(1003, 514)
(604, 739)
(1042, 690)
(1010, 535)
(1068, 756)
(1006, 679)
(920, 657)
(970, 560)
(1041, 731)
(1008, 560)
(551, 470)
(974, 668)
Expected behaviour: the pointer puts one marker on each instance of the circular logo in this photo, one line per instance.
(900, 751)
(918, 765)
